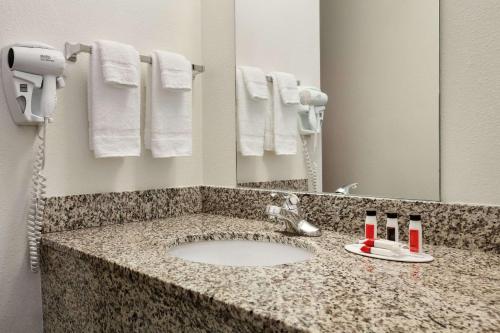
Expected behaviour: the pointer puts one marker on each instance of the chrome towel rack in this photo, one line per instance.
(269, 78)
(71, 51)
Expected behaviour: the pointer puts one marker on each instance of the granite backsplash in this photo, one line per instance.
(453, 225)
(283, 185)
(94, 210)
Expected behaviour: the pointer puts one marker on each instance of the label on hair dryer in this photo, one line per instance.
(46, 57)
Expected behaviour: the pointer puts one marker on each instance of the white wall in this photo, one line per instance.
(380, 67)
(71, 168)
(278, 35)
(470, 101)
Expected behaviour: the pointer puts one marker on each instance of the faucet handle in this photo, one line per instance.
(292, 199)
(291, 203)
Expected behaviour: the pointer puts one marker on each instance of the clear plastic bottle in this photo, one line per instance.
(392, 229)
(415, 234)
(371, 224)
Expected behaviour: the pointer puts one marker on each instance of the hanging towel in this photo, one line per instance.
(119, 63)
(287, 84)
(168, 125)
(251, 115)
(114, 109)
(175, 70)
(269, 127)
(255, 82)
(284, 120)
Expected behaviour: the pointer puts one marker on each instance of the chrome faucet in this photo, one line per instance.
(289, 214)
(346, 190)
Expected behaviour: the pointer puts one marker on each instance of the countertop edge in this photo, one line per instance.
(123, 270)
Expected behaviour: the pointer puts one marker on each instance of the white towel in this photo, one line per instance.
(255, 81)
(288, 88)
(251, 115)
(114, 113)
(269, 127)
(168, 125)
(119, 63)
(284, 122)
(176, 71)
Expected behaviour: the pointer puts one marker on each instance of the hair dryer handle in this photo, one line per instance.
(48, 98)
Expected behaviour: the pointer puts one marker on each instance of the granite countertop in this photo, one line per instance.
(334, 291)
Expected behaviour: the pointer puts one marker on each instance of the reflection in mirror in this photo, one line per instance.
(332, 93)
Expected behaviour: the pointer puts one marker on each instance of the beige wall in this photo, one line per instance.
(279, 35)
(380, 67)
(219, 115)
(470, 101)
(71, 168)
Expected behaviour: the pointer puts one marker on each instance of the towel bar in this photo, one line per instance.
(269, 78)
(71, 51)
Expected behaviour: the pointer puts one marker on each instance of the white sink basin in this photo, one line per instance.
(240, 253)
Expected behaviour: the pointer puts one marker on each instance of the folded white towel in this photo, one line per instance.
(176, 71)
(255, 81)
(287, 84)
(251, 114)
(168, 127)
(284, 122)
(114, 113)
(120, 63)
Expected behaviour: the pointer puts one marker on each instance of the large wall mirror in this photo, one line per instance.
(377, 62)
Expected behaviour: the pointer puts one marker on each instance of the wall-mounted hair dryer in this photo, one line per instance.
(31, 72)
(313, 102)
(310, 118)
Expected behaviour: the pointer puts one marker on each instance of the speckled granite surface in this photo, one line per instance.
(453, 225)
(93, 210)
(120, 278)
(285, 185)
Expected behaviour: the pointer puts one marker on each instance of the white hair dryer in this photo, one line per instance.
(310, 118)
(31, 72)
(313, 102)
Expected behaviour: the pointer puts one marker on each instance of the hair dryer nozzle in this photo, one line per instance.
(35, 60)
(313, 96)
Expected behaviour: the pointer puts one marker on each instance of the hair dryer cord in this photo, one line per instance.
(310, 165)
(37, 203)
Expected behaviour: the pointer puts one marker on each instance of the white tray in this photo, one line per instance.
(406, 255)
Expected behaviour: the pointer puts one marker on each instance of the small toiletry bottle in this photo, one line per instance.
(392, 230)
(371, 224)
(415, 233)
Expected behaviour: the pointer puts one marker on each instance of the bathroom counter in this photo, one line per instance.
(120, 277)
